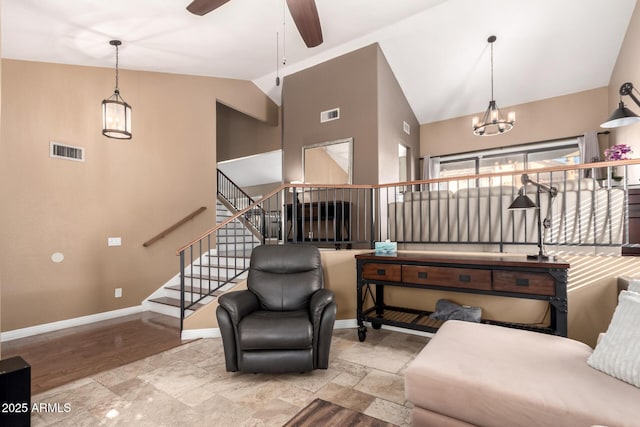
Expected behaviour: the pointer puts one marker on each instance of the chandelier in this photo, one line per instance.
(493, 122)
(116, 114)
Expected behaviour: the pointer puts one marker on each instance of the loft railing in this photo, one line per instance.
(236, 200)
(590, 210)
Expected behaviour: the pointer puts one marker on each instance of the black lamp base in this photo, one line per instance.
(539, 257)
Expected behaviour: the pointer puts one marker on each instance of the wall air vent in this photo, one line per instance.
(406, 127)
(68, 152)
(327, 116)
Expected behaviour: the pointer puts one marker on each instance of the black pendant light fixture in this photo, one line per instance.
(493, 123)
(622, 116)
(116, 113)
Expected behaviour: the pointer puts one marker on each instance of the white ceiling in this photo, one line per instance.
(436, 48)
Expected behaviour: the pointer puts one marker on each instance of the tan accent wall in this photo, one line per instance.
(592, 295)
(548, 119)
(320, 168)
(393, 110)
(129, 189)
(240, 135)
(372, 109)
(627, 69)
(347, 82)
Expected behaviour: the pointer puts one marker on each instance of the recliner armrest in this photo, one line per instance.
(239, 303)
(319, 300)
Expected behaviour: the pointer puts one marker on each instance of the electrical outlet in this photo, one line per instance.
(118, 293)
(114, 241)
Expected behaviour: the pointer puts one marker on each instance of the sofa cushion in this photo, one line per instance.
(272, 330)
(494, 376)
(618, 352)
(634, 285)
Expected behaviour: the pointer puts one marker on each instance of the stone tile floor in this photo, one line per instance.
(189, 385)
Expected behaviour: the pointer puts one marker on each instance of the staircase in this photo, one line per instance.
(215, 272)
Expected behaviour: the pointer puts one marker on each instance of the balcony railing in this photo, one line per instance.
(589, 211)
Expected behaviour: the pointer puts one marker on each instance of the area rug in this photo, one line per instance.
(323, 413)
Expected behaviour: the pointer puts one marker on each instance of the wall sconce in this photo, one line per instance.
(116, 114)
(524, 202)
(622, 116)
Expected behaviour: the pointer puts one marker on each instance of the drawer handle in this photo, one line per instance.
(381, 272)
(465, 278)
(522, 282)
(422, 274)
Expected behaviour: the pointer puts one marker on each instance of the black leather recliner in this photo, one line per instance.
(283, 322)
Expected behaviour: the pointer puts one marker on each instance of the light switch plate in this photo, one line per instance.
(114, 241)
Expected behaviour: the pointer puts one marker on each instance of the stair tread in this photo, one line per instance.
(174, 302)
(194, 288)
(210, 278)
(230, 266)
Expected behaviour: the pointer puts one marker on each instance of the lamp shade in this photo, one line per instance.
(622, 116)
(116, 117)
(522, 202)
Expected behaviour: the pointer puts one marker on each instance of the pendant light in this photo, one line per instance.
(493, 123)
(116, 113)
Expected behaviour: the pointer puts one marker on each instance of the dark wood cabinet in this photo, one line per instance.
(507, 276)
(633, 247)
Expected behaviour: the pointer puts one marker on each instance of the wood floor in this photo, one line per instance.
(66, 355)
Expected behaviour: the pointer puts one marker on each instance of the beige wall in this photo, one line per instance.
(129, 189)
(393, 109)
(320, 168)
(347, 82)
(548, 119)
(372, 109)
(627, 69)
(239, 135)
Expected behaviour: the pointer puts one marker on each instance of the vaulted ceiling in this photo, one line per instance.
(437, 48)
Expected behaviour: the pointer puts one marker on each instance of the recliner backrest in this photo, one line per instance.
(285, 276)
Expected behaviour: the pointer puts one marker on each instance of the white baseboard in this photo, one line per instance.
(62, 324)
(192, 334)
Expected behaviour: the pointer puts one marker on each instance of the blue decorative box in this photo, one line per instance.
(386, 248)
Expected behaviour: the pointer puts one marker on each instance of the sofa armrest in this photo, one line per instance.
(319, 300)
(238, 304)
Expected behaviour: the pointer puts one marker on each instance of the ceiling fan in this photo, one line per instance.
(303, 12)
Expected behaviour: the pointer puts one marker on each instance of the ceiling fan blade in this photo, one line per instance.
(202, 7)
(305, 15)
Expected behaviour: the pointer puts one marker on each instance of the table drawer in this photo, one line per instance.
(388, 272)
(524, 283)
(467, 278)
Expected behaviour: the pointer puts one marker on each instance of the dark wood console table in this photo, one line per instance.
(508, 276)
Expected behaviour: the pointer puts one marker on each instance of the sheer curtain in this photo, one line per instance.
(431, 169)
(589, 152)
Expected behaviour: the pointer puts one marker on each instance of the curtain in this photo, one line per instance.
(589, 153)
(431, 169)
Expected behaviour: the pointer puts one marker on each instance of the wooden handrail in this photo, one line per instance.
(174, 226)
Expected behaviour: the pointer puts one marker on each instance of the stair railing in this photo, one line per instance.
(235, 199)
(212, 262)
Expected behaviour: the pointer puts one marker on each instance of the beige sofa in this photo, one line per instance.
(473, 374)
(582, 213)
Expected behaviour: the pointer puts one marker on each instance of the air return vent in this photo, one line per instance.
(68, 152)
(406, 127)
(327, 116)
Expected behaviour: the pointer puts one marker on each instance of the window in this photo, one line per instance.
(519, 157)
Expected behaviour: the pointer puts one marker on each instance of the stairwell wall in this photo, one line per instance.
(130, 189)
